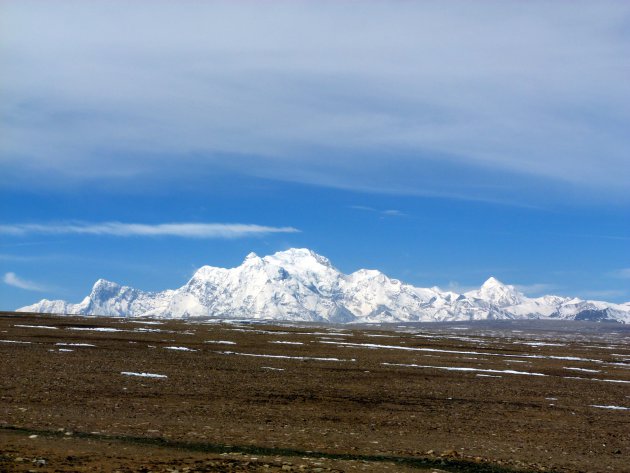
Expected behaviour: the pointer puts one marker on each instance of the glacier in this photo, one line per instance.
(300, 285)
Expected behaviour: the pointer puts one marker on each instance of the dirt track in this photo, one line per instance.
(333, 399)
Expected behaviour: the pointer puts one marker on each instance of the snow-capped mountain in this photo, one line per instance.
(299, 284)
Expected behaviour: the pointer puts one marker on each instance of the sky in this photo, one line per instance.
(441, 142)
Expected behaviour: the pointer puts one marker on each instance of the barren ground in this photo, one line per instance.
(254, 397)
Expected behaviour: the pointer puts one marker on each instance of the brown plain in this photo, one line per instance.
(332, 399)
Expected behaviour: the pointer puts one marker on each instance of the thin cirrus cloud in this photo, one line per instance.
(12, 279)
(605, 294)
(535, 288)
(444, 98)
(183, 230)
(386, 213)
(623, 273)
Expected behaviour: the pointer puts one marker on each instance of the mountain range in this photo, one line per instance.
(300, 285)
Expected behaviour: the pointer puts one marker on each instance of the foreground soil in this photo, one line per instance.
(103, 394)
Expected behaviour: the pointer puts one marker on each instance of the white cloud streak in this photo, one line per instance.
(13, 280)
(183, 230)
(453, 92)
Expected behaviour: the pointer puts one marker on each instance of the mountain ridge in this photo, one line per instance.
(301, 285)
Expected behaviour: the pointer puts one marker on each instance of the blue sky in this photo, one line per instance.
(440, 142)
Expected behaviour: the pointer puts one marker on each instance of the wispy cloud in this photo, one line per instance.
(454, 286)
(393, 213)
(19, 258)
(386, 213)
(604, 294)
(30, 258)
(535, 288)
(623, 273)
(12, 279)
(396, 102)
(183, 230)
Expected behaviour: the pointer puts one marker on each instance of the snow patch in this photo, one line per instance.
(622, 381)
(285, 357)
(74, 344)
(47, 327)
(96, 329)
(619, 408)
(143, 375)
(581, 369)
(454, 368)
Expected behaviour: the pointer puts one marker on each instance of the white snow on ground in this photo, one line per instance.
(598, 379)
(552, 357)
(179, 348)
(96, 329)
(263, 332)
(287, 343)
(143, 375)
(222, 342)
(14, 341)
(329, 334)
(75, 344)
(284, 357)
(454, 368)
(543, 344)
(488, 376)
(271, 368)
(394, 347)
(437, 350)
(146, 322)
(65, 349)
(581, 369)
(620, 408)
(37, 326)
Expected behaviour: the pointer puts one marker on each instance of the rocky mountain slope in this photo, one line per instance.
(301, 285)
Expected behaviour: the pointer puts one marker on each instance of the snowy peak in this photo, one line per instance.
(495, 292)
(300, 285)
(104, 289)
(251, 257)
(492, 283)
(103, 284)
(205, 272)
(299, 258)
